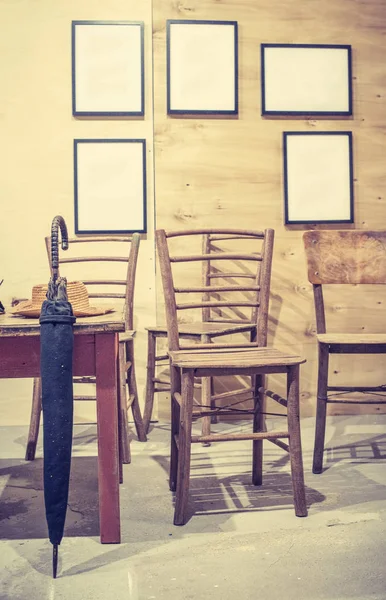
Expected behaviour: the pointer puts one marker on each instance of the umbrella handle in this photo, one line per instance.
(57, 222)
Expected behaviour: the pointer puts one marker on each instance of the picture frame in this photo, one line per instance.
(202, 67)
(306, 79)
(108, 68)
(318, 177)
(110, 186)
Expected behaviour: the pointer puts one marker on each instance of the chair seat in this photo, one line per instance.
(198, 328)
(352, 338)
(233, 358)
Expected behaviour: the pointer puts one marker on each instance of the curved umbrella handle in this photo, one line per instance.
(57, 222)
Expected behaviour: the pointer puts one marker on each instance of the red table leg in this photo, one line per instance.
(106, 362)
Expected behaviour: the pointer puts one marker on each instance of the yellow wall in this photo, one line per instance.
(37, 132)
(207, 171)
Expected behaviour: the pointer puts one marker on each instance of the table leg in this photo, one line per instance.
(106, 359)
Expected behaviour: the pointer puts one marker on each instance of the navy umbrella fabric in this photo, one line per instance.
(56, 349)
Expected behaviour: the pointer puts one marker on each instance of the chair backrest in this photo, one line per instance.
(224, 277)
(106, 265)
(343, 257)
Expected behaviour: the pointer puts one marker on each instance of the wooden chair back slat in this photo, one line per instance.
(214, 304)
(216, 234)
(94, 259)
(339, 257)
(104, 282)
(214, 257)
(226, 320)
(231, 302)
(92, 239)
(106, 295)
(218, 288)
(230, 275)
(218, 238)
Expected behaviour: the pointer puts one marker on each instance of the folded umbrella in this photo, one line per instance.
(56, 349)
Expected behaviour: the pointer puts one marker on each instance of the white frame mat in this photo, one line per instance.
(110, 185)
(107, 68)
(318, 177)
(202, 67)
(306, 79)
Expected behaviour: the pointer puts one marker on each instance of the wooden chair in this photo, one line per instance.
(221, 320)
(87, 266)
(342, 258)
(215, 359)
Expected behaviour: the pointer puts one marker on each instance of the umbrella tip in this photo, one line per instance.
(54, 560)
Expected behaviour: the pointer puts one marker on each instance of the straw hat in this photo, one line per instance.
(77, 296)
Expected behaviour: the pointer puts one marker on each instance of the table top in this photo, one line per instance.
(13, 325)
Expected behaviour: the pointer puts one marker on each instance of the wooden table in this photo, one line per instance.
(95, 353)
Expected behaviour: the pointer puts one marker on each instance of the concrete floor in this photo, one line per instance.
(240, 542)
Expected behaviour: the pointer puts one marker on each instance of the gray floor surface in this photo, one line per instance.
(241, 542)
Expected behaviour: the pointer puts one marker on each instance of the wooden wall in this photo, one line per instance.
(206, 171)
(229, 172)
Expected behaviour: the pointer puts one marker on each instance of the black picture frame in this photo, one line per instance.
(202, 67)
(109, 186)
(318, 177)
(306, 80)
(108, 68)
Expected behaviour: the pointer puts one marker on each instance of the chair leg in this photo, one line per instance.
(214, 418)
(120, 437)
(295, 445)
(133, 391)
(124, 442)
(36, 412)
(258, 381)
(321, 409)
(206, 394)
(184, 444)
(175, 381)
(150, 375)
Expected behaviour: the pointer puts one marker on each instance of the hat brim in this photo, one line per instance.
(27, 309)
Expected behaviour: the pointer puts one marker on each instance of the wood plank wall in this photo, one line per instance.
(207, 171)
(229, 171)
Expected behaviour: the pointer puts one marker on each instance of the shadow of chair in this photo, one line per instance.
(210, 360)
(107, 276)
(343, 258)
(218, 317)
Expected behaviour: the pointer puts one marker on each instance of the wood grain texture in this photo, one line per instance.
(352, 338)
(20, 356)
(346, 256)
(228, 172)
(106, 365)
(11, 325)
(233, 358)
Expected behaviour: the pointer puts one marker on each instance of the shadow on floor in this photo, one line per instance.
(22, 513)
(218, 493)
